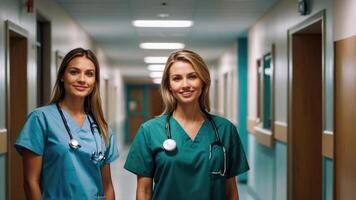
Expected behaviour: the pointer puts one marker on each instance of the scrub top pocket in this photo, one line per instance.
(216, 161)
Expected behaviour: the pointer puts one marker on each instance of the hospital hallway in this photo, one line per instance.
(278, 79)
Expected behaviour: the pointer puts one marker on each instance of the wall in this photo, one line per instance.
(272, 28)
(227, 95)
(66, 35)
(344, 27)
(344, 15)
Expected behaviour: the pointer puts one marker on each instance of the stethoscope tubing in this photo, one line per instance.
(72, 139)
(208, 116)
(216, 142)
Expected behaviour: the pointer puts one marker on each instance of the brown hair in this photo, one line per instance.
(92, 102)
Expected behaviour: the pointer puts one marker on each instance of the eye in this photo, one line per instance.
(73, 72)
(192, 77)
(176, 78)
(90, 74)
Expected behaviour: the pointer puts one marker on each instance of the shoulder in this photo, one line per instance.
(156, 122)
(221, 121)
(42, 112)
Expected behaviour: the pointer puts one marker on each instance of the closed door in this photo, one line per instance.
(16, 107)
(305, 111)
(345, 115)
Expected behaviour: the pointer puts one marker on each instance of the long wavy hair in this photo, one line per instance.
(199, 66)
(92, 102)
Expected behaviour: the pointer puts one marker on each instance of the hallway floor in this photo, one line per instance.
(125, 182)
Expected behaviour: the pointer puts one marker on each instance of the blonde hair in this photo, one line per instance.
(199, 66)
(92, 102)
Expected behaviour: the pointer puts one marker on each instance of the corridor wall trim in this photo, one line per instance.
(3, 141)
(280, 131)
(251, 123)
(328, 144)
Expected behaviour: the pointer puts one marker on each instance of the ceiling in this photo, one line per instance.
(217, 23)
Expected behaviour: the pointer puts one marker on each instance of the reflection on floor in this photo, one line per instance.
(125, 182)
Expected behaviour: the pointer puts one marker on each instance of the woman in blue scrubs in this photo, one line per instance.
(186, 153)
(67, 146)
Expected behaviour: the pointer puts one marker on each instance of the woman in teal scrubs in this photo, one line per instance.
(67, 146)
(186, 153)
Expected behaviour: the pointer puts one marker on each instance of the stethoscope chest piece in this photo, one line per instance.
(169, 145)
(74, 144)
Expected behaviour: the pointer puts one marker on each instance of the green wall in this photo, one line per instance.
(328, 179)
(268, 174)
(242, 96)
(3, 176)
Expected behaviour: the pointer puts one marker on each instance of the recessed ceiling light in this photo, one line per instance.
(156, 67)
(156, 74)
(157, 80)
(155, 59)
(163, 15)
(157, 45)
(163, 23)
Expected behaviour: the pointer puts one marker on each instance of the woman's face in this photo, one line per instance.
(184, 83)
(79, 77)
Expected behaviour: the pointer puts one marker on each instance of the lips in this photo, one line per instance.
(187, 94)
(80, 88)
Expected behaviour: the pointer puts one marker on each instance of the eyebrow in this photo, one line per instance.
(191, 73)
(74, 67)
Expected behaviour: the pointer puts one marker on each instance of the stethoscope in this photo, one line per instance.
(170, 145)
(97, 155)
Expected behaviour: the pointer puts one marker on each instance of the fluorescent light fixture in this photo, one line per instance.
(156, 45)
(157, 80)
(156, 67)
(163, 23)
(156, 74)
(155, 59)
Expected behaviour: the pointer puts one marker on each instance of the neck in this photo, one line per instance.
(191, 112)
(73, 105)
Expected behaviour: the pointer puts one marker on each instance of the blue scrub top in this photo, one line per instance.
(66, 173)
(186, 173)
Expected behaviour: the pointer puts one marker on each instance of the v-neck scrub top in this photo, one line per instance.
(66, 173)
(185, 174)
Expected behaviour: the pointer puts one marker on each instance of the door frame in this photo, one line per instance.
(320, 16)
(10, 27)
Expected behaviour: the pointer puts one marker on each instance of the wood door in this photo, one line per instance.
(344, 119)
(156, 102)
(16, 109)
(306, 116)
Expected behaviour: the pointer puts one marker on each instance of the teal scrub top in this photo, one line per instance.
(186, 172)
(66, 173)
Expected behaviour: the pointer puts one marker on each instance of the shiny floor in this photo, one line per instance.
(125, 182)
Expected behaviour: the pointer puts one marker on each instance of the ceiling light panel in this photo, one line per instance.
(155, 60)
(155, 67)
(157, 80)
(163, 23)
(162, 45)
(156, 74)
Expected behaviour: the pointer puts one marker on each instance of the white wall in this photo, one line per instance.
(344, 19)
(226, 64)
(273, 28)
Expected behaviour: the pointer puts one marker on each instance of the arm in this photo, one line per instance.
(231, 189)
(32, 165)
(144, 188)
(107, 182)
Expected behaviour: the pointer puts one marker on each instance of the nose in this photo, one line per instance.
(81, 78)
(185, 83)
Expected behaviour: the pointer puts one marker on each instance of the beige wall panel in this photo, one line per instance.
(344, 19)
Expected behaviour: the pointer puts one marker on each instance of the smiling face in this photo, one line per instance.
(79, 77)
(185, 85)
